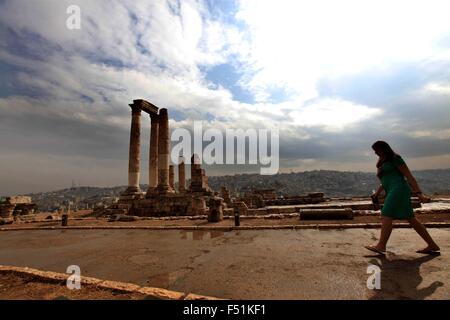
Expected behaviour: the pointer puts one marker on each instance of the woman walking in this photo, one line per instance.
(392, 171)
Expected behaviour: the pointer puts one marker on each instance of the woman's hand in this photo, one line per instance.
(375, 201)
(423, 198)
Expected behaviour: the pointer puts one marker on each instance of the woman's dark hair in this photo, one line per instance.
(388, 154)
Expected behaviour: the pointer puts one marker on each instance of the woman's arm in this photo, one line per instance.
(379, 190)
(412, 182)
(409, 177)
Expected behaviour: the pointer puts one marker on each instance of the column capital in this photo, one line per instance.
(146, 106)
(154, 117)
(135, 109)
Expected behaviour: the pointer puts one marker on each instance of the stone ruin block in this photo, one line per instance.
(310, 198)
(253, 200)
(197, 207)
(228, 211)
(6, 210)
(18, 200)
(326, 214)
(16, 206)
(316, 194)
(241, 208)
(170, 205)
(226, 195)
(267, 194)
(215, 209)
(199, 180)
(272, 211)
(24, 209)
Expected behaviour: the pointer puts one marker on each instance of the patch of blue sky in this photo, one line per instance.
(28, 45)
(444, 41)
(227, 76)
(11, 86)
(141, 47)
(32, 46)
(210, 116)
(225, 11)
(177, 115)
(111, 62)
(278, 94)
(175, 7)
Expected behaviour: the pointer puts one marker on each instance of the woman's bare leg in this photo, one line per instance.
(386, 230)
(422, 231)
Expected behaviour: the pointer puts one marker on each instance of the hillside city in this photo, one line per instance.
(331, 183)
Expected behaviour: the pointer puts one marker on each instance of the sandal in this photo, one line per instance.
(372, 248)
(429, 251)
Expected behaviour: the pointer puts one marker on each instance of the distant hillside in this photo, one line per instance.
(332, 183)
(79, 198)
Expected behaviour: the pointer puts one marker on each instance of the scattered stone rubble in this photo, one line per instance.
(16, 207)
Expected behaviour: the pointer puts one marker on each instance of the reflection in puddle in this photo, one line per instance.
(200, 234)
(165, 280)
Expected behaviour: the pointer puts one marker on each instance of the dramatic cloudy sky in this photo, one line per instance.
(333, 76)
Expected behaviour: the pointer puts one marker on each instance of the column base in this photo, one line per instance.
(164, 189)
(132, 190)
(131, 193)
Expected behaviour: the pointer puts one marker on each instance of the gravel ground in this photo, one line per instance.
(23, 287)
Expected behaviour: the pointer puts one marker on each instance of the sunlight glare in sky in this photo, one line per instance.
(294, 43)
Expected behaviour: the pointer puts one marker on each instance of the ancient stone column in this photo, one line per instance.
(163, 153)
(181, 176)
(215, 209)
(134, 153)
(226, 195)
(153, 162)
(171, 177)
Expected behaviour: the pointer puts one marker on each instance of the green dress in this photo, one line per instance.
(397, 204)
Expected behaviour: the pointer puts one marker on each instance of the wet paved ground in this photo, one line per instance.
(260, 264)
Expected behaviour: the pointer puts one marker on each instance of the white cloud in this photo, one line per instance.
(332, 114)
(438, 88)
(435, 134)
(295, 43)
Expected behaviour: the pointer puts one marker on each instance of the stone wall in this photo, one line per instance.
(169, 205)
(18, 200)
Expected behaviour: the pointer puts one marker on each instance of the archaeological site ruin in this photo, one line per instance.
(162, 198)
(16, 207)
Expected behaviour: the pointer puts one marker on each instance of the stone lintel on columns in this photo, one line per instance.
(146, 106)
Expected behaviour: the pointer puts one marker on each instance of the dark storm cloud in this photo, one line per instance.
(58, 135)
(351, 144)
